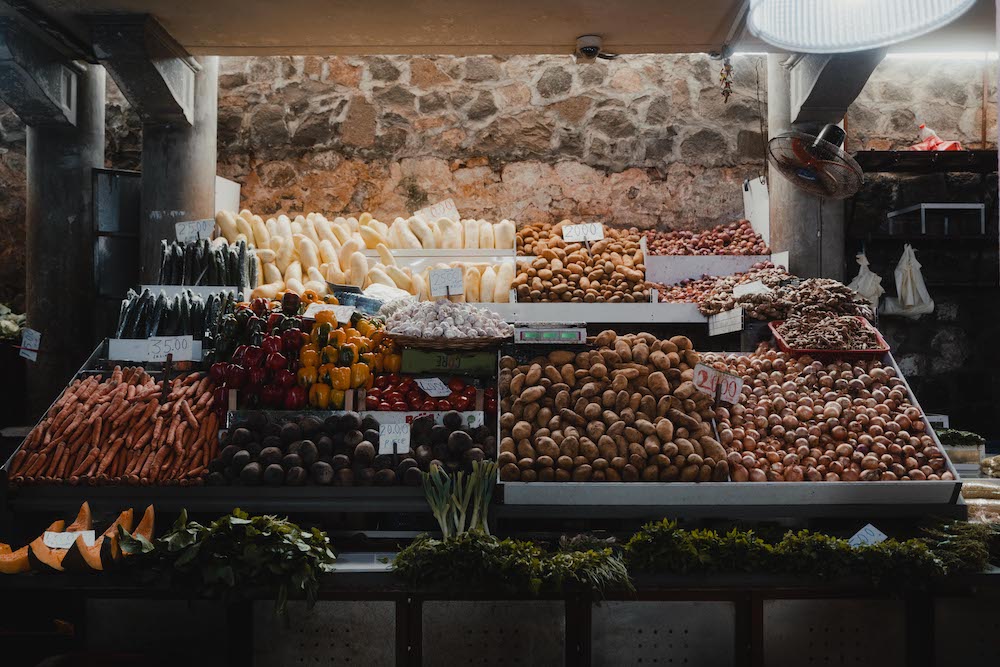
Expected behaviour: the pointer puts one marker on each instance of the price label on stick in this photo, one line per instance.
(31, 340)
(446, 282)
(756, 287)
(180, 347)
(726, 386)
(194, 230)
(342, 313)
(442, 209)
(394, 438)
(591, 231)
(433, 387)
(65, 540)
(866, 536)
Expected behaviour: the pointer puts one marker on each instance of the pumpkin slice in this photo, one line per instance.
(145, 527)
(4, 548)
(103, 554)
(84, 521)
(15, 562)
(45, 559)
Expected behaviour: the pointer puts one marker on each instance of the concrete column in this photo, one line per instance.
(60, 238)
(809, 228)
(178, 170)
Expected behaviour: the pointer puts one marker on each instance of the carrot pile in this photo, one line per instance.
(123, 430)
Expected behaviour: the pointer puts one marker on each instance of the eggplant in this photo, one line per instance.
(184, 326)
(158, 309)
(252, 270)
(241, 266)
(164, 260)
(135, 328)
(130, 313)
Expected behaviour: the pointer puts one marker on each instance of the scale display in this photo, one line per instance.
(562, 335)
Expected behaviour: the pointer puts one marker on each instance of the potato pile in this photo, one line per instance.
(802, 420)
(626, 411)
(735, 238)
(611, 270)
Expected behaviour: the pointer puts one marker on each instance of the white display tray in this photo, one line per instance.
(672, 269)
(598, 313)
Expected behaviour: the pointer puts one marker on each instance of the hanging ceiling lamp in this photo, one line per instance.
(841, 26)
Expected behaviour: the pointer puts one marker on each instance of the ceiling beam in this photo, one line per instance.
(36, 81)
(153, 71)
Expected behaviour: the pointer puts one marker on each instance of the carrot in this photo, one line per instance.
(86, 463)
(130, 392)
(179, 438)
(154, 458)
(53, 465)
(110, 455)
(37, 466)
(18, 461)
(186, 409)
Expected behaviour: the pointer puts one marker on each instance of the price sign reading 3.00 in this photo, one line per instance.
(712, 381)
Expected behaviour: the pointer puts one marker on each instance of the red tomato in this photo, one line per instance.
(399, 406)
(456, 384)
(384, 406)
(381, 381)
(414, 397)
(462, 403)
(491, 405)
(392, 396)
(371, 402)
(490, 392)
(443, 404)
(429, 405)
(375, 391)
(470, 391)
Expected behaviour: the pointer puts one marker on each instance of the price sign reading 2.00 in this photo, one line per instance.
(158, 347)
(710, 381)
(590, 231)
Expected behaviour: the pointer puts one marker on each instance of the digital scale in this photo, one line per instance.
(552, 333)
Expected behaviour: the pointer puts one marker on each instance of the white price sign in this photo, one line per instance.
(447, 282)
(342, 313)
(194, 230)
(591, 231)
(65, 540)
(756, 287)
(180, 347)
(393, 438)
(433, 387)
(442, 209)
(866, 536)
(31, 341)
(709, 380)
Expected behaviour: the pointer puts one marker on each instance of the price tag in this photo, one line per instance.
(447, 282)
(756, 287)
(433, 387)
(158, 347)
(711, 381)
(342, 313)
(591, 231)
(725, 322)
(393, 438)
(442, 209)
(866, 536)
(31, 342)
(65, 540)
(194, 230)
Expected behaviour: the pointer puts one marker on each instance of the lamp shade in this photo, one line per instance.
(841, 26)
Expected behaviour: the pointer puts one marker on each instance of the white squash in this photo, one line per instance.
(267, 290)
(309, 229)
(335, 275)
(284, 227)
(358, 270)
(244, 227)
(308, 252)
(285, 252)
(318, 286)
(487, 285)
(349, 248)
(380, 277)
(265, 254)
(293, 272)
(295, 286)
(259, 269)
(371, 237)
(486, 234)
(227, 224)
(353, 225)
(364, 218)
(379, 227)
(471, 228)
(401, 280)
(328, 253)
(261, 237)
(407, 239)
(452, 235)
(471, 283)
(272, 274)
(341, 230)
(418, 287)
(504, 235)
(423, 232)
(385, 255)
(314, 274)
(505, 276)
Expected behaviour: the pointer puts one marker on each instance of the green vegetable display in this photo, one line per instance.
(457, 498)
(11, 324)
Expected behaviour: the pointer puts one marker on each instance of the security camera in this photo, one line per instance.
(588, 47)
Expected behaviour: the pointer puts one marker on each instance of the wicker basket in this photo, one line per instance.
(448, 344)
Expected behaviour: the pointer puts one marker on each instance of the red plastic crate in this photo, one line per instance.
(830, 355)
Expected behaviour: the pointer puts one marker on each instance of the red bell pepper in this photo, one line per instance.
(254, 356)
(277, 361)
(456, 384)
(239, 355)
(236, 376)
(258, 375)
(295, 398)
(272, 344)
(284, 378)
(274, 321)
(218, 372)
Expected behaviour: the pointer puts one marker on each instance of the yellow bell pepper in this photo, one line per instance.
(365, 327)
(319, 396)
(329, 354)
(320, 334)
(327, 316)
(338, 337)
(340, 378)
(373, 360)
(309, 357)
(359, 375)
(348, 354)
(307, 376)
(324, 373)
(337, 398)
(392, 362)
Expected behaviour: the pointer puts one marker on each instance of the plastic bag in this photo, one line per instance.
(912, 298)
(930, 141)
(867, 283)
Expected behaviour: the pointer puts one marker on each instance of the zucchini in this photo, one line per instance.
(132, 302)
(184, 326)
(232, 267)
(241, 266)
(164, 261)
(134, 329)
(157, 316)
(197, 317)
(146, 323)
(177, 272)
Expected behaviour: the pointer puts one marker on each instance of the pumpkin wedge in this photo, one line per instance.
(14, 562)
(103, 554)
(42, 558)
(145, 527)
(84, 520)
(4, 548)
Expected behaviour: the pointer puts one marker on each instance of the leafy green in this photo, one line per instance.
(963, 546)
(451, 496)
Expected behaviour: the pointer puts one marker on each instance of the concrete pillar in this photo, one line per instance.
(60, 238)
(809, 228)
(178, 170)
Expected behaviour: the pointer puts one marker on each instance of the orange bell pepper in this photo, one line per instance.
(319, 396)
(307, 376)
(337, 398)
(359, 375)
(327, 316)
(309, 357)
(340, 378)
(392, 362)
(329, 354)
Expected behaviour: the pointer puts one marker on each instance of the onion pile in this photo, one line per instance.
(736, 238)
(802, 420)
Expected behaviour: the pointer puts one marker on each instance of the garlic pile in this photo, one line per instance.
(442, 319)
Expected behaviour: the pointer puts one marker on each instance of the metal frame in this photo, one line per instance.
(924, 208)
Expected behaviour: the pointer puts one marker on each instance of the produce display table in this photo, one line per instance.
(738, 619)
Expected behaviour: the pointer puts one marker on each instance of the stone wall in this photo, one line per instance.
(642, 140)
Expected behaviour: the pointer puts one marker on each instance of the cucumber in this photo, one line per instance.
(157, 316)
(164, 261)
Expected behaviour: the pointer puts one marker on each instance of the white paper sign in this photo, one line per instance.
(194, 230)
(158, 347)
(725, 322)
(342, 313)
(393, 438)
(442, 209)
(65, 540)
(591, 231)
(447, 282)
(433, 387)
(756, 287)
(31, 341)
(867, 535)
(709, 380)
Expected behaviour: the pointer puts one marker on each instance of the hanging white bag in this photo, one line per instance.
(912, 298)
(867, 283)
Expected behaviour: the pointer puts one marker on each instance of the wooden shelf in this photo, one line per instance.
(928, 162)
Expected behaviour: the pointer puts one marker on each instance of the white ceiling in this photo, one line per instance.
(262, 27)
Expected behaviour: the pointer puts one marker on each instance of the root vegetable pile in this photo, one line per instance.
(815, 296)
(117, 431)
(822, 332)
(719, 298)
(611, 270)
(626, 411)
(691, 290)
(736, 238)
(343, 450)
(802, 420)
